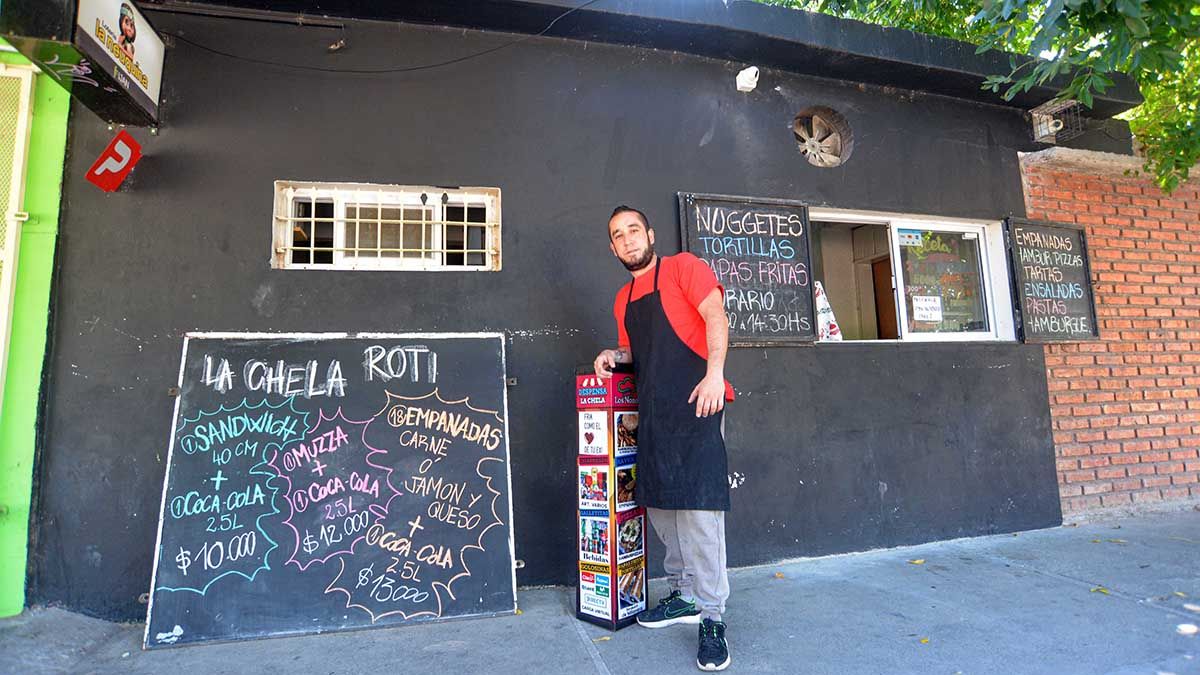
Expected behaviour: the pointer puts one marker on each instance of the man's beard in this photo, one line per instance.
(641, 263)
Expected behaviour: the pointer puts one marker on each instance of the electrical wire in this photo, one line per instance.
(378, 71)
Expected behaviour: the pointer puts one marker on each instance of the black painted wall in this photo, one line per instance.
(842, 447)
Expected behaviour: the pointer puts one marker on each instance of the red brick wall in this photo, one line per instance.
(1126, 409)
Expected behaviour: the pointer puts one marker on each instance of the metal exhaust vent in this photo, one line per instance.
(1056, 121)
(823, 135)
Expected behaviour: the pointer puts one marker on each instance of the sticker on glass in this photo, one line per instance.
(909, 237)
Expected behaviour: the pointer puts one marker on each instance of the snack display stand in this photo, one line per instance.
(612, 527)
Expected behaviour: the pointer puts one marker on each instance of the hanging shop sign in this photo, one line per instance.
(121, 42)
(104, 52)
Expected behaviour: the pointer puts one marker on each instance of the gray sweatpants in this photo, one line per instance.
(695, 557)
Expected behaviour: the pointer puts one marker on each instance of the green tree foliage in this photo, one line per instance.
(1083, 42)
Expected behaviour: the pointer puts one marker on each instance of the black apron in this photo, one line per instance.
(681, 461)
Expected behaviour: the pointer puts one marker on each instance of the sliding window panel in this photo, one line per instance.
(943, 277)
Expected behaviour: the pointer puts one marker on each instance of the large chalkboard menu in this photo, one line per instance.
(1053, 281)
(326, 482)
(759, 250)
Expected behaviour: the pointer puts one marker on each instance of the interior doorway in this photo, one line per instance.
(885, 299)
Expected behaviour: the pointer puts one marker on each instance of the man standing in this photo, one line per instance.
(671, 326)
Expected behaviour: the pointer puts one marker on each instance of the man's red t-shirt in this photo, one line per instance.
(683, 283)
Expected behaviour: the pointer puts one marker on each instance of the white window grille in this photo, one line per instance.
(360, 226)
(16, 96)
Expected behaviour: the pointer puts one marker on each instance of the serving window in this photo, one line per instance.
(891, 277)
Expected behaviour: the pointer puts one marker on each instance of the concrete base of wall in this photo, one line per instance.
(1132, 511)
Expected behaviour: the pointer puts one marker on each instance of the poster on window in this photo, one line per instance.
(626, 426)
(593, 539)
(595, 593)
(593, 432)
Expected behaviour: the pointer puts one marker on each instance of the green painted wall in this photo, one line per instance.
(27, 346)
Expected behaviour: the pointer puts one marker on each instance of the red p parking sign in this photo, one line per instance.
(115, 163)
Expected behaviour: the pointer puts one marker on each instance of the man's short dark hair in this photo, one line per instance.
(629, 209)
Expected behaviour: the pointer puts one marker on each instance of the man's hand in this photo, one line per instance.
(604, 362)
(709, 395)
(610, 357)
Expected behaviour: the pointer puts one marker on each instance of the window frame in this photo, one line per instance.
(898, 281)
(994, 271)
(367, 195)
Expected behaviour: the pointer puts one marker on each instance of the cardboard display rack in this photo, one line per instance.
(612, 527)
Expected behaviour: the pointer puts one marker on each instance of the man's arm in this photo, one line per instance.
(610, 357)
(709, 395)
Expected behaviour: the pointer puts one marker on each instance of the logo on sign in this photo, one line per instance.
(115, 163)
(591, 391)
(627, 390)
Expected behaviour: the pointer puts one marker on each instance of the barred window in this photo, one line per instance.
(361, 226)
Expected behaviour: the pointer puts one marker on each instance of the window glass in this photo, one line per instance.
(460, 236)
(362, 232)
(381, 232)
(390, 237)
(418, 234)
(476, 236)
(312, 231)
(943, 281)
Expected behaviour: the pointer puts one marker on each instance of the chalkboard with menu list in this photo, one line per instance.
(759, 250)
(1053, 281)
(323, 482)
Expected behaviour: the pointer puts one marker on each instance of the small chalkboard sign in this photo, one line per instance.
(759, 250)
(326, 482)
(1053, 281)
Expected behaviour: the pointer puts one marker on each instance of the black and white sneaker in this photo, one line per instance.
(671, 610)
(714, 650)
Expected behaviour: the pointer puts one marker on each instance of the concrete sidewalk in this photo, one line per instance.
(1027, 603)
